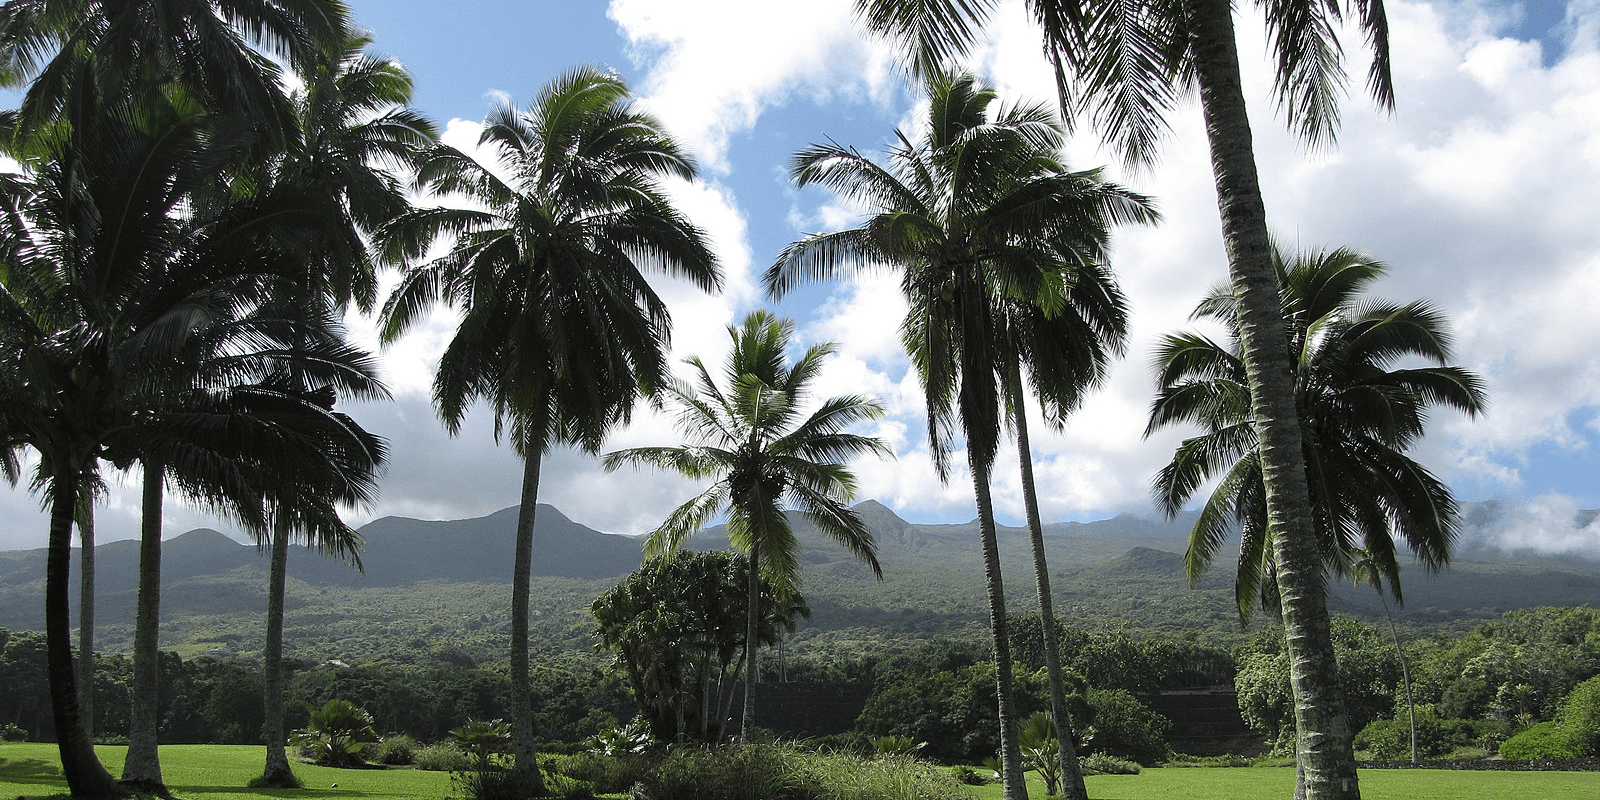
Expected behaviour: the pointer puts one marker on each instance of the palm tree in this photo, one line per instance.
(560, 329)
(1067, 351)
(1126, 65)
(971, 216)
(762, 452)
(353, 127)
(1360, 413)
(1360, 410)
(211, 48)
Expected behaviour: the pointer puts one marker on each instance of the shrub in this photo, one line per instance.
(1125, 727)
(783, 771)
(337, 734)
(1579, 718)
(442, 757)
(397, 751)
(489, 784)
(483, 740)
(1544, 740)
(608, 774)
(1390, 739)
(969, 775)
(11, 732)
(1103, 764)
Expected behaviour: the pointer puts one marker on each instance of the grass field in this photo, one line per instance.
(219, 772)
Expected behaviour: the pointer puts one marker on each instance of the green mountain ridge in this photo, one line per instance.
(439, 586)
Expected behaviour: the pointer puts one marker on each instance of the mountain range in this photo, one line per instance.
(440, 585)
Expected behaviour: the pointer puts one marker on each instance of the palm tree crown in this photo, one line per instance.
(561, 328)
(1362, 404)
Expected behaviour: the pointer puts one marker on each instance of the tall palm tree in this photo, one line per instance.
(1126, 65)
(1065, 351)
(560, 329)
(1361, 406)
(353, 129)
(763, 452)
(970, 216)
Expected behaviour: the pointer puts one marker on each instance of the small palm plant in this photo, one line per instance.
(1041, 750)
(483, 740)
(337, 734)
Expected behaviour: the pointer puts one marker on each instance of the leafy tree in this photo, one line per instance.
(761, 449)
(1126, 65)
(559, 328)
(678, 626)
(1125, 727)
(977, 217)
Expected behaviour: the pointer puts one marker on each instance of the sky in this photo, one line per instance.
(1479, 192)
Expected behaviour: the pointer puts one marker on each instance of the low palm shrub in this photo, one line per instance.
(337, 735)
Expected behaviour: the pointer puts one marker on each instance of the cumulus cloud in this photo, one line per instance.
(1550, 524)
(1477, 190)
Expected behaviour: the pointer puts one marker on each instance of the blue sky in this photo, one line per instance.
(1478, 191)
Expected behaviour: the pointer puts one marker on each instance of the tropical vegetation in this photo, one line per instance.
(204, 188)
(986, 229)
(765, 443)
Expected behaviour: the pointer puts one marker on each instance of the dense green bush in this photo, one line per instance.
(1125, 727)
(398, 750)
(1105, 764)
(606, 773)
(1579, 718)
(1544, 740)
(442, 757)
(785, 772)
(1437, 736)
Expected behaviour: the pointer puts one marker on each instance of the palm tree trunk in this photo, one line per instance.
(142, 769)
(86, 776)
(277, 773)
(85, 517)
(1324, 747)
(747, 722)
(1015, 787)
(525, 760)
(1405, 673)
(1071, 776)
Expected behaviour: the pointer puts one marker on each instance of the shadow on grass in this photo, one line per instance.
(180, 792)
(29, 770)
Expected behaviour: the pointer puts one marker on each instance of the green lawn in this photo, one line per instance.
(1376, 784)
(219, 772)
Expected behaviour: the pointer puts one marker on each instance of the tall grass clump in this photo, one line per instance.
(784, 771)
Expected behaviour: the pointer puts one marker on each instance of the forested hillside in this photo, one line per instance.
(438, 587)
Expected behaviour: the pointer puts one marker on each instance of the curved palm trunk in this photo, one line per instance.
(747, 721)
(1015, 787)
(1072, 787)
(1324, 748)
(278, 773)
(525, 760)
(86, 776)
(142, 770)
(85, 517)
(1405, 673)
